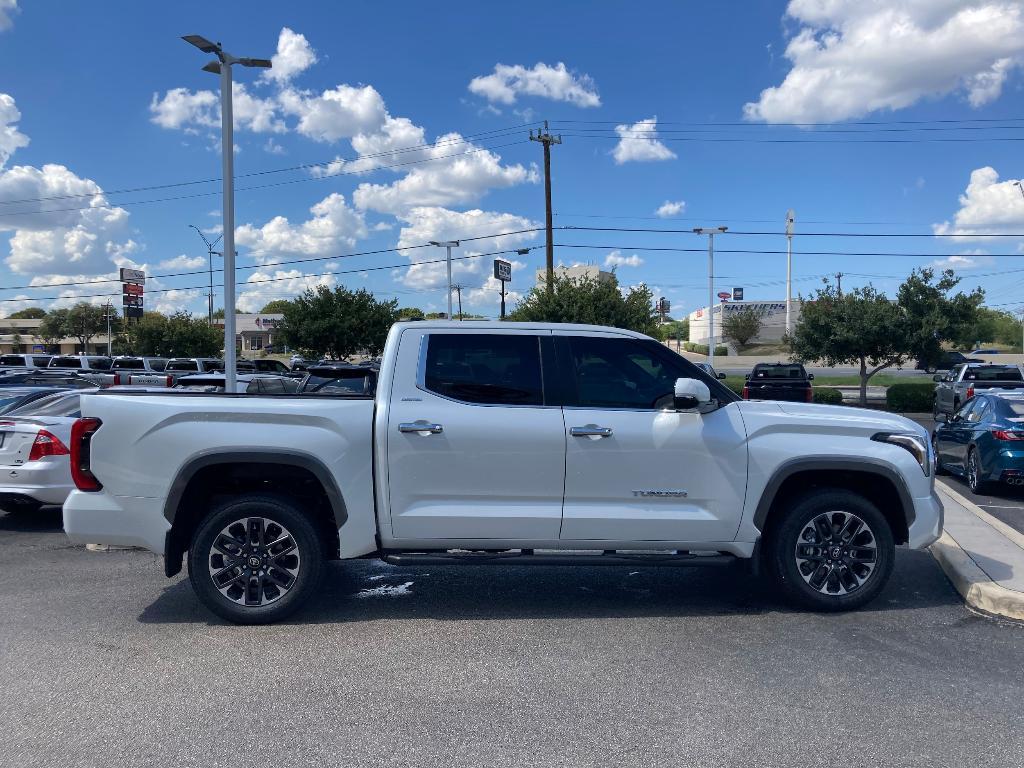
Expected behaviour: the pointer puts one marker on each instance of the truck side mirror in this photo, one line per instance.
(690, 395)
(721, 375)
(810, 377)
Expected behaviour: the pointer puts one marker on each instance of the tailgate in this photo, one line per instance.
(16, 442)
(149, 380)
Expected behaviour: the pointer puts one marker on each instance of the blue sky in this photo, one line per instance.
(98, 100)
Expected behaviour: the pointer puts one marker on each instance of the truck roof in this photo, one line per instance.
(498, 326)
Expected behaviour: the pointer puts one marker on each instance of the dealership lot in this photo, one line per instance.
(106, 662)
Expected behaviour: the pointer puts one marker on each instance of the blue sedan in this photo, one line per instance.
(983, 442)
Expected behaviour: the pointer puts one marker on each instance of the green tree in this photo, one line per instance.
(586, 300)
(410, 313)
(29, 313)
(190, 336)
(53, 328)
(742, 325)
(338, 322)
(933, 315)
(84, 321)
(991, 326)
(275, 307)
(860, 327)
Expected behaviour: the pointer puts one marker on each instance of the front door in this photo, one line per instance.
(473, 449)
(637, 471)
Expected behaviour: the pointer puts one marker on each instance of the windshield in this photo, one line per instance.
(994, 373)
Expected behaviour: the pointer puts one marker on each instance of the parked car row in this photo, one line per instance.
(983, 440)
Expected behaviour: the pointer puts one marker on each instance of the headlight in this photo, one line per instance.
(918, 447)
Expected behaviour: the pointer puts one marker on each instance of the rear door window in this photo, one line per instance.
(488, 369)
(12, 360)
(182, 365)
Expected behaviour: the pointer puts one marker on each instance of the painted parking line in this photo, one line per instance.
(999, 506)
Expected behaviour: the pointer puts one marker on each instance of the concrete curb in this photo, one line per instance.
(974, 585)
(979, 591)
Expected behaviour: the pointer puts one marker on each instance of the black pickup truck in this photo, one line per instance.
(779, 381)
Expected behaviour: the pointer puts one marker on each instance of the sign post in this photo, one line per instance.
(133, 282)
(502, 272)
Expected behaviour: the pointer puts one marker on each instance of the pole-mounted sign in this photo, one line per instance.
(503, 272)
(133, 283)
(737, 294)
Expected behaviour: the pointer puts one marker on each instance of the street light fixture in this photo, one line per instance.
(222, 67)
(448, 244)
(711, 232)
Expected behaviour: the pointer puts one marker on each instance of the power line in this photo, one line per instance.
(493, 134)
(749, 140)
(801, 234)
(805, 125)
(778, 252)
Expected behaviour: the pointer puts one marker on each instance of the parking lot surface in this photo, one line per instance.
(105, 662)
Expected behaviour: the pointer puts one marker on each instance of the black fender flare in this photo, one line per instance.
(864, 465)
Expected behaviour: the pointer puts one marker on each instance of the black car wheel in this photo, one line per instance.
(255, 559)
(939, 469)
(831, 551)
(975, 473)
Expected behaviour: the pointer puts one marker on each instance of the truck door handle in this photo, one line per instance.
(420, 426)
(590, 430)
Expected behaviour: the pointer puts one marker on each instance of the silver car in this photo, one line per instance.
(35, 469)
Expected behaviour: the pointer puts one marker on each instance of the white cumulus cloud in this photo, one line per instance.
(263, 287)
(853, 57)
(294, 56)
(421, 225)
(183, 262)
(337, 113)
(987, 206)
(191, 111)
(961, 262)
(8, 9)
(670, 208)
(11, 139)
(334, 225)
(557, 83)
(616, 259)
(638, 143)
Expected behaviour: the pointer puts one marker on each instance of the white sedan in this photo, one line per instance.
(35, 468)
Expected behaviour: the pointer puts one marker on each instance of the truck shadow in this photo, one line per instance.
(46, 519)
(372, 591)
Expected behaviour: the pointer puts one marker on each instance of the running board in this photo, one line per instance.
(528, 557)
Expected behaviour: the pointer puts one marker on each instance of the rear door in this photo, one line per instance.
(475, 443)
(635, 470)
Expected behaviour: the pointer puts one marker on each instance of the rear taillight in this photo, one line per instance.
(809, 397)
(970, 392)
(170, 381)
(746, 392)
(47, 444)
(81, 448)
(117, 379)
(1007, 434)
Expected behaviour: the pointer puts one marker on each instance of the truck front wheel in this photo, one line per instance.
(255, 559)
(832, 550)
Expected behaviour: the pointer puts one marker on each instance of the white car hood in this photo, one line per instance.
(838, 416)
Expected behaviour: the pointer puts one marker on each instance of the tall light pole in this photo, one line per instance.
(109, 311)
(448, 244)
(790, 221)
(711, 232)
(209, 252)
(222, 67)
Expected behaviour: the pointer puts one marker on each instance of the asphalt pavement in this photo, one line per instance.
(103, 661)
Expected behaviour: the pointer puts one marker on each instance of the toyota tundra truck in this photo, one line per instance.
(503, 444)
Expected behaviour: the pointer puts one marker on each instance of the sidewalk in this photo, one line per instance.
(982, 556)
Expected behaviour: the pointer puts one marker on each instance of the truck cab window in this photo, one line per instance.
(621, 373)
(490, 369)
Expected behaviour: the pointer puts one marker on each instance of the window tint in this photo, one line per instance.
(965, 409)
(621, 373)
(66, 362)
(129, 364)
(994, 373)
(779, 372)
(182, 365)
(271, 386)
(15, 360)
(978, 411)
(41, 361)
(485, 368)
(158, 365)
(100, 363)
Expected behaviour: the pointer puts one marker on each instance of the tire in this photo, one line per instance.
(252, 592)
(939, 469)
(855, 574)
(973, 475)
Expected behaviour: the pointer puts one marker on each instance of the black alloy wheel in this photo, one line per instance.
(255, 559)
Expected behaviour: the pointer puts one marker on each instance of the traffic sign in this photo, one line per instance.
(132, 276)
(737, 294)
(502, 270)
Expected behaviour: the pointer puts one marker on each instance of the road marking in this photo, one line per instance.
(997, 506)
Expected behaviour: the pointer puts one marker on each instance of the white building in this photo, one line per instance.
(22, 335)
(576, 271)
(773, 324)
(254, 332)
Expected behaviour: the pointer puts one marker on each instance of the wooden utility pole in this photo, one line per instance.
(547, 140)
(839, 283)
(458, 292)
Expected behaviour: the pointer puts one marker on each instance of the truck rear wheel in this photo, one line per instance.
(832, 550)
(255, 559)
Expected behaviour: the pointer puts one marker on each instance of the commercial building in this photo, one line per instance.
(773, 323)
(23, 336)
(577, 271)
(254, 333)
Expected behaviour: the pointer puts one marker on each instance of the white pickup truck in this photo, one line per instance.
(503, 443)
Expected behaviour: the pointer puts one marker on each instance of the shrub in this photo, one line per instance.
(702, 349)
(828, 396)
(915, 397)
